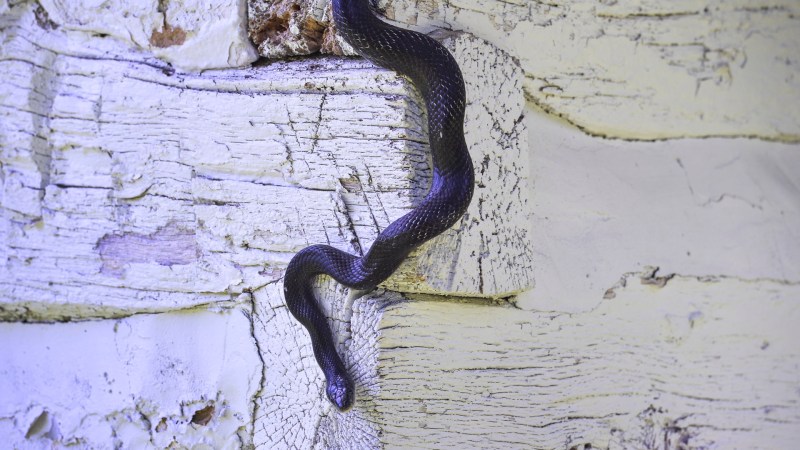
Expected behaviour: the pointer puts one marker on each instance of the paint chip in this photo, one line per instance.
(168, 37)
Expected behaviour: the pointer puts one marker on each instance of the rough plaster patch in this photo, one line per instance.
(188, 34)
(184, 378)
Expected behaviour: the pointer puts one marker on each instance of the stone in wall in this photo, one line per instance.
(282, 28)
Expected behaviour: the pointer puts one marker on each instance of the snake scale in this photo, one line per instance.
(435, 73)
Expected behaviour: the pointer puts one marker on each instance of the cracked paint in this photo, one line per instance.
(509, 362)
(189, 37)
(131, 382)
(666, 70)
(101, 144)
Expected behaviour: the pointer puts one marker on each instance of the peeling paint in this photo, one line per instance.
(664, 70)
(192, 35)
(136, 382)
(671, 362)
(169, 245)
(649, 277)
(672, 369)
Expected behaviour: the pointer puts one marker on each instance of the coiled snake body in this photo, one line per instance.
(436, 75)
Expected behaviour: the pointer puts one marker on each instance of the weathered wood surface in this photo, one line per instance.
(129, 187)
(652, 368)
(679, 366)
(629, 69)
(666, 362)
(489, 253)
(190, 188)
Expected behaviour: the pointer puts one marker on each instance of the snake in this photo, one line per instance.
(435, 74)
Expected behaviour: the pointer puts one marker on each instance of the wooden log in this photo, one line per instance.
(643, 70)
(688, 370)
(668, 363)
(189, 187)
(488, 254)
(130, 187)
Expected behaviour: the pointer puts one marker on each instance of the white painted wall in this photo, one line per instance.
(600, 293)
(643, 69)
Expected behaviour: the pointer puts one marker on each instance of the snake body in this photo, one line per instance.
(435, 73)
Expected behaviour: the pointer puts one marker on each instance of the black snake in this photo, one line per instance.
(434, 72)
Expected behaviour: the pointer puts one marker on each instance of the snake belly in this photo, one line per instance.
(435, 74)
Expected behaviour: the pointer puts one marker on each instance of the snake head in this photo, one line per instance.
(340, 392)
